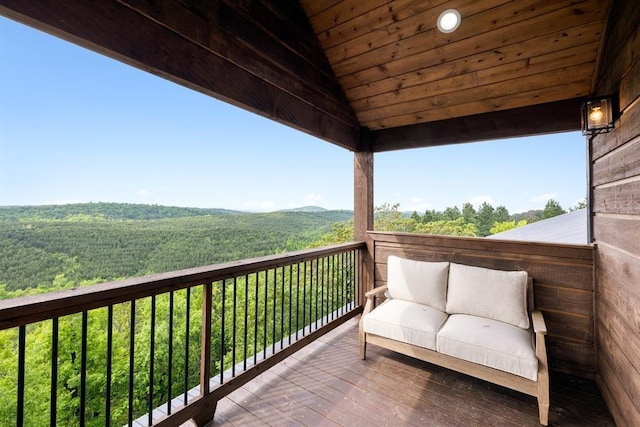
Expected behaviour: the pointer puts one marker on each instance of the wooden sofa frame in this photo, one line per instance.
(538, 389)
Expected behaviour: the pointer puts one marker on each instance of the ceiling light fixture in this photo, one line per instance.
(449, 21)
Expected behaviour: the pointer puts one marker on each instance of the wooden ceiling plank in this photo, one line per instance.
(314, 7)
(444, 48)
(485, 77)
(224, 31)
(529, 49)
(341, 12)
(287, 24)
(398, 31)
(122, 33)
(553, 117)
(512, 87)
(285, 68)
(374, 19)
(522, 99)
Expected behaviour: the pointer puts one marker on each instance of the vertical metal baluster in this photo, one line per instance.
(132, 330)
(22, 341)
(304, 298)
(359, 266)
(264, 330)
(187, 343)
(54, 373)
(290, 300)
(170, 361)
(317, 269)
(329, 288)
(352, 278)
(322, 292)
(297, 299)
(107, 393)
(338, 285)
(205, 339)
(222, 325)
(334, 287)
(337, 267)
(246, 317)
(235, 319)
(356, 276)
(282, 308)
(83, 369)
(273, 325)
(311, 296)
(255, 324)
(152, 345)
(341, 273)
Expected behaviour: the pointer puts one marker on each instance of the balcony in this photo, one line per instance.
(274, 339)
(327, 383)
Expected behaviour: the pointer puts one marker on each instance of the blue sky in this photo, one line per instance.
(76, 126)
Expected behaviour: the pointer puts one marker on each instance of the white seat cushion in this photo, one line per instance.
(495, 294)
(405, 321)
(418, 281)
(491, 343)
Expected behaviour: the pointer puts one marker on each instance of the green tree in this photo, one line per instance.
(452, 213)
(582, 204)
(499, 227)
(431, 215)
(551, 209)
(469, 213)
(389, 218)
(501, 214)
(456, 227)
(485, 219)
(342, 232)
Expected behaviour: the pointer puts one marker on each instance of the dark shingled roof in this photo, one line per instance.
(568, 228)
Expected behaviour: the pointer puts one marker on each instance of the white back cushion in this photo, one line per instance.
(418, 281)
(494, 294)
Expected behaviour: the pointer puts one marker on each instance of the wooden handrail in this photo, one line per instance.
(34, 308)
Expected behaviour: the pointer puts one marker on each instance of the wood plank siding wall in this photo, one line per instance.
(615, 166)
(563, 283)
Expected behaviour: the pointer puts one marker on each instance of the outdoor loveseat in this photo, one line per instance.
(477, 321)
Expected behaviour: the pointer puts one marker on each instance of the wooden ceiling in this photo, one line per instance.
(367, 75)
(398, 69)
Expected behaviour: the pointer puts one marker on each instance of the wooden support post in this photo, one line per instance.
(363, 214)
(206, 414)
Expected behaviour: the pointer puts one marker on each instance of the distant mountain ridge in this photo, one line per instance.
(305, 209)
(125, 211)
(105, 210)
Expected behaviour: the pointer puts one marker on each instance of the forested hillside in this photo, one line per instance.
(107, 241)
(103, 211)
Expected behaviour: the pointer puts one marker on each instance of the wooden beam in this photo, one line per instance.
(363, 194)
(560, 116)
(363, 210)
(125, 33)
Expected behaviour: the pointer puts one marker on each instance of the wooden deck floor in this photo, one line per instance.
(327, 384)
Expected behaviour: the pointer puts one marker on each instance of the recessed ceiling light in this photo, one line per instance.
(449, 21)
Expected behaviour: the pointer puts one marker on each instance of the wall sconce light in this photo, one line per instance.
(597, 116)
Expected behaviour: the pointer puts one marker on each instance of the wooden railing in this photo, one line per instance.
(163, 349)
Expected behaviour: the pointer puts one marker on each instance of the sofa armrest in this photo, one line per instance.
(540, 329)
(371, 296)
(539, 326)
(374, 292)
